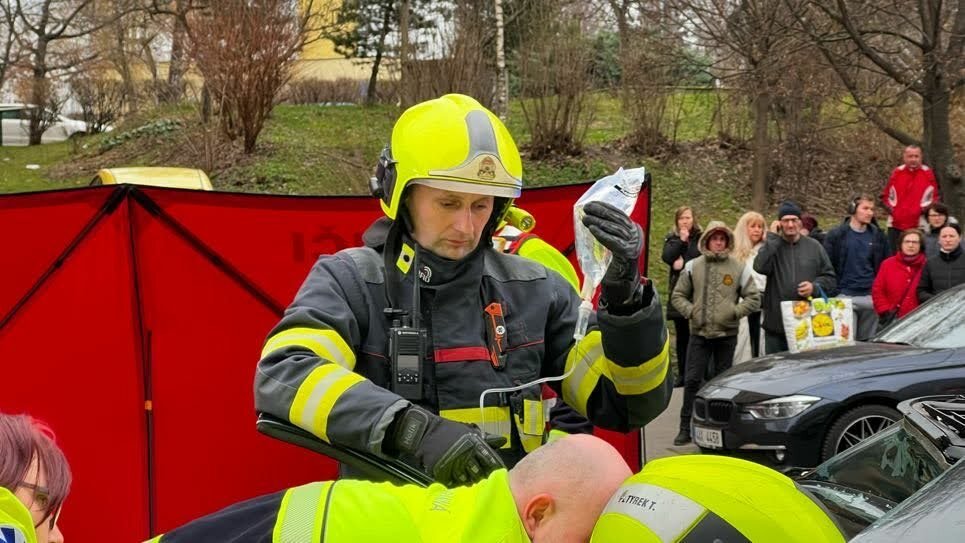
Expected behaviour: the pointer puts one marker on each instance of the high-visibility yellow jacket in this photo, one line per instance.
(361, 511)
(16, 525)
(325, 367)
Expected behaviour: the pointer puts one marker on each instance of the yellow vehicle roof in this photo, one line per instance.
(181, 178)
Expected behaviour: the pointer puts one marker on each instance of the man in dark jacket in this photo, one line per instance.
(857, 247)
(946, 270)
(795, 266)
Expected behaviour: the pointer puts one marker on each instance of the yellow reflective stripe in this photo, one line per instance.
(327, 344)
(534, 423)
(588, 364)
(404, 261)
(640, 379)
(316, 397)
(155, 540)
(583, 376)
(492, 420)
(300, 514)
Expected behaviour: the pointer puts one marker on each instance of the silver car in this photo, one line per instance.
(16, 126)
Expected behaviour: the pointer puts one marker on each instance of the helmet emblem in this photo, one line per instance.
(487, 169)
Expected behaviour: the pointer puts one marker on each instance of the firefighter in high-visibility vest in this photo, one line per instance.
(708, 499)
(16, 525)
(542, 499)
(362, 362)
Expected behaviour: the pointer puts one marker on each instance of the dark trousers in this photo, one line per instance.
(774, 343)
(754, 330)
(700, 352)
(682, 332)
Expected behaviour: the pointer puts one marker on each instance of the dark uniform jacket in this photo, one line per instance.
(674, 247)
(326, 368)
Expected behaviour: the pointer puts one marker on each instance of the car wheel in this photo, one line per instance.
(857, 425)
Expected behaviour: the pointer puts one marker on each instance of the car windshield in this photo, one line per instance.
(853, 510)
(892, 465)
(939, 324)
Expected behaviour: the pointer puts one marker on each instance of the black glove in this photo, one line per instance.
(624, 238)
(451, 452)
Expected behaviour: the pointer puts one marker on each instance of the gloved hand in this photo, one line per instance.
(624, 238)
(452, 452)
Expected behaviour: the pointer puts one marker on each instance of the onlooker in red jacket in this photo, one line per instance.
(910, 190)
(894, 289)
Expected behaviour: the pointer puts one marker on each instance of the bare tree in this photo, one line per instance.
(101, 100)
(884, 50)
(53, 38)
(9, 49)
(752, 42)
(553, 61)
(502, 75)
(245, 49)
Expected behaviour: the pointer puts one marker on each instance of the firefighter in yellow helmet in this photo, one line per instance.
(541, 500)
(389, 348)
(711, 499)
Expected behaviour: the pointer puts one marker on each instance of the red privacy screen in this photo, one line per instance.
(131, 319)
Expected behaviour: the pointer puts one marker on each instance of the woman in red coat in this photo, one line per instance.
(894, 287)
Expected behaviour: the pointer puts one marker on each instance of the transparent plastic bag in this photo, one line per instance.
(619, 190)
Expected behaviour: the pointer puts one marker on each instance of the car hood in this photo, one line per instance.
(790, 373)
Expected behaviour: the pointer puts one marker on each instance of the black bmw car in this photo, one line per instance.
(799, 409)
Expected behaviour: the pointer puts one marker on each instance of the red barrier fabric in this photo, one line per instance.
(131, 319)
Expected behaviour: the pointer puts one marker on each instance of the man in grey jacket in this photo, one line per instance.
(795, 266)
(714, 291)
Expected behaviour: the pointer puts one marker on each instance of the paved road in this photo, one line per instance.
(663, 429)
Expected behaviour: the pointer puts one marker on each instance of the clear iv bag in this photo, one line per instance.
(619, 190)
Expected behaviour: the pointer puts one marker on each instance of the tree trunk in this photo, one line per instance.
(502, 77)
(404, 95)
(176, 67)
(937, 146)
(762, 152)
(370, 93)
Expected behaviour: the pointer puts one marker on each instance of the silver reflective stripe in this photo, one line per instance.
(482, 137)
(667, 514)
(301, 512)
(306, 419)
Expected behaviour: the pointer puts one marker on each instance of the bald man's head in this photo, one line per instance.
(561, 488)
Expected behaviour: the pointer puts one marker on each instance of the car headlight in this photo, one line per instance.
(781, 408)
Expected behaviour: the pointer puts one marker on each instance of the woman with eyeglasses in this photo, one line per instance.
(894, 291)
(34, 480)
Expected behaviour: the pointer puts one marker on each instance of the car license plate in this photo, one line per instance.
(708, 438)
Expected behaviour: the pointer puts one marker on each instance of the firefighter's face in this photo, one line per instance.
(450, 224)
(33, 494)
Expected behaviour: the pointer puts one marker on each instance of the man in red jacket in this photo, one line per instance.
(910, 189)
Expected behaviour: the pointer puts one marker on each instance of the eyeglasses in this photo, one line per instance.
(40, 502)
(912, 241)
(792, 219)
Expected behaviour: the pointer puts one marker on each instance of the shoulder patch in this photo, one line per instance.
(503, 267)
(368, 261)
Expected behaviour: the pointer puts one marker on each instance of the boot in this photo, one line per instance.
(682, 438)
